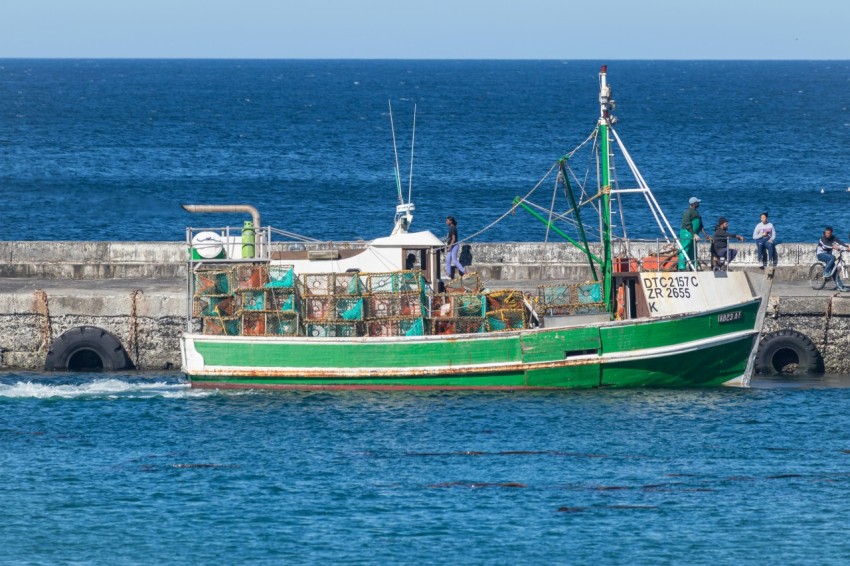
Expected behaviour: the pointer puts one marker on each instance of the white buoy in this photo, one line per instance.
(821, 191)
(207, 244)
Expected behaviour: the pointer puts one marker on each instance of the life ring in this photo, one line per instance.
(788, 349)
(87, 348)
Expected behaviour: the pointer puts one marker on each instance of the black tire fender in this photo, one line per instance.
(104, 344)
(778, 349)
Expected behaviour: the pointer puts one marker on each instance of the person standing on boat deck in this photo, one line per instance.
(689, 234)
(721, 241)
(765, 237)
(452, 249)
(826, 244)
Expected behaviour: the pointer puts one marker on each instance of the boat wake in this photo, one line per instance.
(97, 388)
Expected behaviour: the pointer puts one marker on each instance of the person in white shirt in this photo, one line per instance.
(765, 237)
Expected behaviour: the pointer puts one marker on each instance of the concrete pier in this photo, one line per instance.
(135, 292)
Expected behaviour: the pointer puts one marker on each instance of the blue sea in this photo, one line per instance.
(130, 469)
(109, 149)
(136, 468)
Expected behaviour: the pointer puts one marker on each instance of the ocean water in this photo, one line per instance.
(108, 149)
(126, 469)
(139, 468)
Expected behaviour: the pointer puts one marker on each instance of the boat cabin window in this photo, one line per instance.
(415, 259)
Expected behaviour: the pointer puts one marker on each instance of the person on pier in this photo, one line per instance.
(721, 254)
(826, 244)
(765, 237)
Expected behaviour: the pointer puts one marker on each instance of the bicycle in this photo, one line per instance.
(816, 278)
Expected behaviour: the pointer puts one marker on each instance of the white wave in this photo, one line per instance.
(109, 388)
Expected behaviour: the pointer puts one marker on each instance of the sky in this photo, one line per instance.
(426, 29)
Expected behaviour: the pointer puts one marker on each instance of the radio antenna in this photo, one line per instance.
(395, 150)
(412, 142)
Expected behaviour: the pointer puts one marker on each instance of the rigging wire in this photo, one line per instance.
(511, 209)
(569, 155)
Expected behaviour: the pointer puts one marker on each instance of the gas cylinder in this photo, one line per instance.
(248, 239)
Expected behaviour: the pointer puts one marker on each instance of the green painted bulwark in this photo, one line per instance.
(669, 332)
(363, 352)
(697, 350)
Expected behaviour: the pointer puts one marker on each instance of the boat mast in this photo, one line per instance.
(605, 180)
(403, 211)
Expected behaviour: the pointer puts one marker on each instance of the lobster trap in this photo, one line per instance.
(506, 319)
(338, 329)
(349, 283)
(396, 327)
(386, 306)
(396, 282)
(571, 298)
(317, 283)
(456, 325)
(333, 308)
(220, 326)
(467, 283)
(468, 305)
(283, 299)
(505, 299)
(252, 276)
(254, 300)
(282, 324)
(281, 277)
(213, 282)
(216, 305)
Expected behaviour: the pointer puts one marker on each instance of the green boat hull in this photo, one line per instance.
(697, 350)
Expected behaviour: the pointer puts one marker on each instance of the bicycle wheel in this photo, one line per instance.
(816, 279)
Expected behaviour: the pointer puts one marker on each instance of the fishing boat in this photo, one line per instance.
(301, 314)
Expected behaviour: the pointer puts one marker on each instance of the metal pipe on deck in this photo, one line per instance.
(255, 214)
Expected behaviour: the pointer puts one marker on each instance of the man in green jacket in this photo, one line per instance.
(689, 234)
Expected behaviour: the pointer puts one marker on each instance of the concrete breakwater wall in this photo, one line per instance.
(519, 261)
(51, 292)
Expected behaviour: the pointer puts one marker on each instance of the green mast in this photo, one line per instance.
(605, 181)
